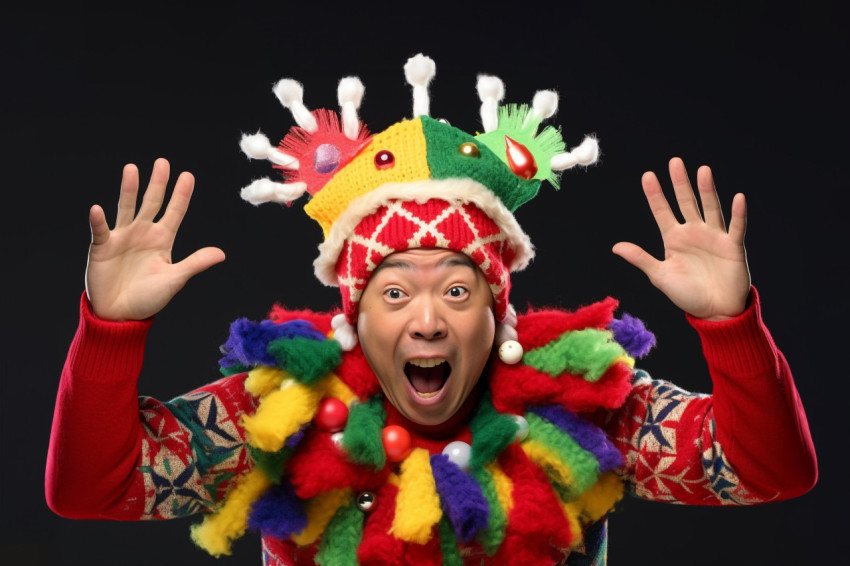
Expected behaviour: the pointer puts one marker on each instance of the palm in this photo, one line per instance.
(130, 275)
(704, 271)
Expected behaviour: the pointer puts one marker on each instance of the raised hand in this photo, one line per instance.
(130, 275)
(704, 271)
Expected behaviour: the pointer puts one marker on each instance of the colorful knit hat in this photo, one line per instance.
(421, 183)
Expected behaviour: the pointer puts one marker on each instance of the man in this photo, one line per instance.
(426, 423)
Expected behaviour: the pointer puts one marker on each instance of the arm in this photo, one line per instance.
(753, 428)
(97, 439)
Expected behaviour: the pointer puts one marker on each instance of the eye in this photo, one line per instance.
(384, 159)
(394, 294)
(457, 291)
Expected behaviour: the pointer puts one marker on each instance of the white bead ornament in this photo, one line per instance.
(336, 438)
(510, 352)
(459, 453)
(522, 427)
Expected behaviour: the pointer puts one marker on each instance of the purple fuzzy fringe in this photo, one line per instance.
(631, 333)
(248, 340)
(278, 512)
(586, 434)
(462, 499)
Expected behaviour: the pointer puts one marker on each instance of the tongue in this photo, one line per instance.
(426, 380)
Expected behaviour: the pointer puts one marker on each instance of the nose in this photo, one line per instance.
(427, 321)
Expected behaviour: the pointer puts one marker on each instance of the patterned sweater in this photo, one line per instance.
(746, 443)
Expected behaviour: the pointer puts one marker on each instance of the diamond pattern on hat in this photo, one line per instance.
(404, 225)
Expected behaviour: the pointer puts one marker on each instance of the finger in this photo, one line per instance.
(638, 257)
(199, 261)
(155, 193)
(658, 204)
(179, 202)
(684, 192)
(738, 224)
(711, 209)
(129, 194)
(97, 223)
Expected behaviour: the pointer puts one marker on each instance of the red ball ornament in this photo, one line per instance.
(396, 441)
(331, 415)
(520, 159)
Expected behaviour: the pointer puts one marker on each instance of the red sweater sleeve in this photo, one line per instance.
(116, 455)
(758, 414)
(95, 439)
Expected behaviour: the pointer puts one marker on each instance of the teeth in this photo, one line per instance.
(427, 362)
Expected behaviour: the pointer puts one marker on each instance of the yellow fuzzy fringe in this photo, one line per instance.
(280, 414)
(320, 510)
(554, 467)
(417, 504)
(504, 486)
(217, 531)
(262, 380)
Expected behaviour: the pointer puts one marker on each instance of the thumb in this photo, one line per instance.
(199, 261)
(636, 256)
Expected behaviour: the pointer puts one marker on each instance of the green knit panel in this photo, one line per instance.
(589, 352)
(306, 359)
(445, 162)
(362, 436)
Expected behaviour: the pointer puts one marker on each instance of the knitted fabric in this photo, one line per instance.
(521, 498)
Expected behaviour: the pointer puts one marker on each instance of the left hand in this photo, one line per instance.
(704, 271)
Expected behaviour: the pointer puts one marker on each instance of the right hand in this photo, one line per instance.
(130, 275)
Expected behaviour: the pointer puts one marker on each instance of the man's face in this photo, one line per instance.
(426, 327)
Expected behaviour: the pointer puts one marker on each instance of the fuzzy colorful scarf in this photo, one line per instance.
(525, 496)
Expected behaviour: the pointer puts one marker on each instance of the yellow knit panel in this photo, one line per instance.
(404, 140)
(417, 507)
(320, 510)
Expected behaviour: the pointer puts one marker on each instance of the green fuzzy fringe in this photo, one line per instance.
(306, 359)
(491, 432)
(448, 544)
(341, 538)
(270, 463)
(589, 352)
(583, 464)
(491, 537)
(361, 438)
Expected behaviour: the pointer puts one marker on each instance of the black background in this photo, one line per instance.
(758, 90)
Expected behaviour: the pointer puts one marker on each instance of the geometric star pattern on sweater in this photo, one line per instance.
(176, 484)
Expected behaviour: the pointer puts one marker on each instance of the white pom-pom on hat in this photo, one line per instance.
(350, 96)
(585, 154)
(545, 104)
(419, 71)
(290, 93)
(344, 333)
(258, 146)
(491, 90)
(266, 190)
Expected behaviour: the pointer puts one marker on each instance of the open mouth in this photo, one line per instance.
(427, 376)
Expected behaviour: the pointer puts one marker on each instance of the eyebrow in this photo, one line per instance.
(408, 266)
